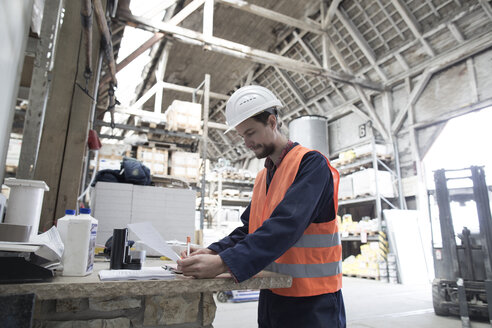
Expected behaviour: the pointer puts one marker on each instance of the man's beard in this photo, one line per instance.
(267, 151)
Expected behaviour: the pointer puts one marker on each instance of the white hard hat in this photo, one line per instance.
(248, 101)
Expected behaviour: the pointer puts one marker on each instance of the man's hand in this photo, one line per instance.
(202, 266)
(196, 251)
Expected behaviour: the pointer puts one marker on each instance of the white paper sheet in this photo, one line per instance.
(52, 240)
(47, 245)
(148, 273)
(149, 235)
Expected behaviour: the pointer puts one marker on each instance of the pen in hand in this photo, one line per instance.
(188, 240)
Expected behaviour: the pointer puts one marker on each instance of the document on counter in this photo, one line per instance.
(47, 245)
(146, 273)
(146, 232)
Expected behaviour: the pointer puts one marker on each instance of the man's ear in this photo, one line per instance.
(272, 121)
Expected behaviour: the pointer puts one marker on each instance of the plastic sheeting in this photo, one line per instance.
(409, 238)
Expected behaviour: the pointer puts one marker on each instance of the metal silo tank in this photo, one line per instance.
(310, 131)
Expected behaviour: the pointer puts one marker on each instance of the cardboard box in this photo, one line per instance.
(365, 150)
(185, 165)
(185, 116)
(155, 159)
(364, 183)
(346, 188)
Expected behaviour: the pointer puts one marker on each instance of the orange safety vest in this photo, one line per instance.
(315, 260)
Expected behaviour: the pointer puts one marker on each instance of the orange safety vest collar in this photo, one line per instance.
(315, 260)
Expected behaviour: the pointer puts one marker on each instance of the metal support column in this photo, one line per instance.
(375, 167)
(206, 105)
(40, 86)
(401, 197)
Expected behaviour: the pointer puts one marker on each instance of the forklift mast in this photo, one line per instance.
(463, 283)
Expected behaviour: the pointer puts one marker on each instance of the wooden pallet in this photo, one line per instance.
(188, 130)
(10, 168)
(361, 276)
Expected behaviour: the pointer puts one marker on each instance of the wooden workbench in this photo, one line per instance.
(89, 302)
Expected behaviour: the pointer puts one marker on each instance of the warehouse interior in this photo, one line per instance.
(395, 93)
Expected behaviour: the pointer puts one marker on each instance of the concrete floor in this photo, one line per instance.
(368, 304)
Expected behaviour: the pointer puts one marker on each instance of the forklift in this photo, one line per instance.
(463, 261)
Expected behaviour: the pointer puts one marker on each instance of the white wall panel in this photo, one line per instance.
(483, 71)
(15, 18)
(446, 91)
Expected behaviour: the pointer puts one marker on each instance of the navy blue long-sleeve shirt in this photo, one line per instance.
(309, 199)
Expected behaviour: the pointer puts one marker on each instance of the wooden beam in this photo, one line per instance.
(486, 7)
(218, 126)
(159, 76)
(412, 24)
(331, 12)
(412, 99)
(181, 88)
(372, 113)
(326, 18)
(370, 108)
(273, 15)
(186, 11)
(473, 80)
(456, 113)
(175, 20)
(143, 129)
(106, 37)
(64, 137)
(208, 18)
(402, 61)
(295, 91)
(360, 41)
(131, 57)
(146, 96)
(440, 62)
(245, 52)
(455, 31)
(411, 43)
(448, 58)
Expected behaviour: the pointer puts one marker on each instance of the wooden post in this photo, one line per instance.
(64, 138)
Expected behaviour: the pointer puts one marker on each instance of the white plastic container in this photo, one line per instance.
(78, 234)
(25, 202)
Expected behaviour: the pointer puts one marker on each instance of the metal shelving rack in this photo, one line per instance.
(375, 163)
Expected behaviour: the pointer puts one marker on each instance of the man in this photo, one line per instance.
(289, 227)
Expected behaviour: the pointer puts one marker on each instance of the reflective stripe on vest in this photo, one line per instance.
(307, 271)
(325, 240)
(314, 261)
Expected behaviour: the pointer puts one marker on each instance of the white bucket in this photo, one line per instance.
(25, 202)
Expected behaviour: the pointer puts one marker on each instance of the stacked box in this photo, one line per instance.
(155, 159)
(111, 155)
(13, 153)
(365, 264)
(185, 165)
(346, 188)
(184, 116)
(365, 150)
(364, 183)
